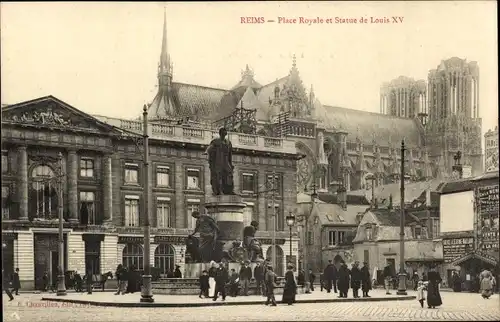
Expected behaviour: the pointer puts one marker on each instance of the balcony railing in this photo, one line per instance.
(204, 136)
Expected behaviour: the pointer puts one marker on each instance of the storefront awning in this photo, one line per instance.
(476, 255)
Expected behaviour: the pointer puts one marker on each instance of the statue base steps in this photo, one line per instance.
(191, 286)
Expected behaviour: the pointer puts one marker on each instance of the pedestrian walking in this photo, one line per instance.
(433, 296)
(5, 286)
(270, 279)
(301, 279)
(16, 282)
(212, 271)
(421, 288)
(221, 278)
(204, 285)
(290, 287)
(355, 279)
(366, 281)
(234, 283)
(121, 278)
(245, 277)
(388, 275)
(343, 280)
(45, 282)
(89, 278)
(328, 273)
(312, 278)
(258, 274)
(77, 278)
(177, 272)
(415, 279)
(456, 282)
(486, 284)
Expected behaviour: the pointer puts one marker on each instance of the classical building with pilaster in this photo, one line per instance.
(49, 146)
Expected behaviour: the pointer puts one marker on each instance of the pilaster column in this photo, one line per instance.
(72, 174)
(23, 183)
(107, 190)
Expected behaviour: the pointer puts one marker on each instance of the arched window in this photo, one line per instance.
(43, 194)
(279, 269)
(165, 258)
(132, 256)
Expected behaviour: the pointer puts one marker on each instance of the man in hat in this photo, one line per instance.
(177, 272)
(221, 278)
(258, 274)
(245, 277)
(270, 279)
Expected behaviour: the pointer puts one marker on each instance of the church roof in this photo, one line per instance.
(194, 100)
(369, 126)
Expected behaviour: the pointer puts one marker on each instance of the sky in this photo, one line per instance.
(102, 57)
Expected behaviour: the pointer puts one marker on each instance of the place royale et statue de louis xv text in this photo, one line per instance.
(325, 20)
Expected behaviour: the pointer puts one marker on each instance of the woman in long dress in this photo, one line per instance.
(486, 284)
(433, 296)
(290, 287)
(212, 271)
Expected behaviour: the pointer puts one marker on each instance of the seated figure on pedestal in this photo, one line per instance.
(209, 232)
(251, 243)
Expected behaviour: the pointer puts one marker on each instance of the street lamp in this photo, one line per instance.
(61, 287)
(402, 274)
(147, 290)
(290, 221)
(372, 178)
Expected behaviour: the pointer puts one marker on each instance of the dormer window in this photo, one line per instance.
(369, 233)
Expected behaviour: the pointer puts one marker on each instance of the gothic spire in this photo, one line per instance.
(162, 106)
(164, 56)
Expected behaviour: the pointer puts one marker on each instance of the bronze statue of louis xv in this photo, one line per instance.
(221, 165)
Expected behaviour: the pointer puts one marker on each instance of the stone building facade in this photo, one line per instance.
(377, 242)
(49, 146)
(491, 150)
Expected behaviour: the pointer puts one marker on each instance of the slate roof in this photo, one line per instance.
(487, 176)
(386, 128)
(198, 100)
(352, 199)
(331, 214)
(456, 186)
(413, 191)
(392, 218)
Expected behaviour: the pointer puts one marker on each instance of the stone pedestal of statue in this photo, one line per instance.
(227, 210)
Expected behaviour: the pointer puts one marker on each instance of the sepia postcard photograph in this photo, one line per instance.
(250, 161)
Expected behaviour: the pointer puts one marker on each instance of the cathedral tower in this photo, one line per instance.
(403, 97)
(454, 122)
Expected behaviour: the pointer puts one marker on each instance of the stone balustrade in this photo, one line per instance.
(181, 133)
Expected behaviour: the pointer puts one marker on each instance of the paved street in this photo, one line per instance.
(109, 297)
(457, 307)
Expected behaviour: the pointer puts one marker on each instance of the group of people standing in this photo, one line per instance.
(215, 281)
(129, 279)
(340, 277)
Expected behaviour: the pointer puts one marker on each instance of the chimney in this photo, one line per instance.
(342, 197)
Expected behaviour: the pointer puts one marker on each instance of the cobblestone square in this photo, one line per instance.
(457, 307)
